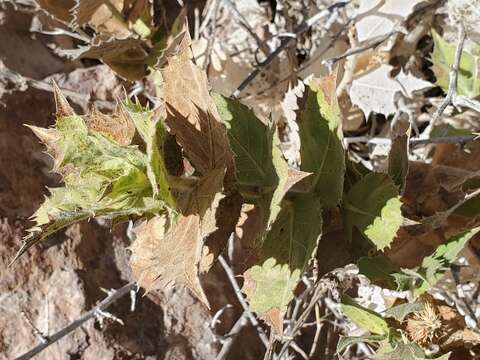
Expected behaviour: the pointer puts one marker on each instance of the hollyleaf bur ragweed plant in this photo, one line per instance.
(114, 166)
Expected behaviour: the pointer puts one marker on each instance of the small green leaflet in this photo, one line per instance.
(321, 148)
(346, 341)
(373, 206)
(379, 270)
(399, 312)
(443, 57)
(410, 351)
(364, 317)
(269, 290)
(434, 266)
(420, 279)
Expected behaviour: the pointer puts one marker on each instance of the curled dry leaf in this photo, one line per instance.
(104, 16)
(127, 57)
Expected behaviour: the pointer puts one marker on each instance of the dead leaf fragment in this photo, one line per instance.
(375, 91)
(379, 17)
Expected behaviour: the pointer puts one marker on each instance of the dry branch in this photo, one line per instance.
(286, 41)
(105, 303)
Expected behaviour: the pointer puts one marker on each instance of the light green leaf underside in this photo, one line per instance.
(434, 266)
(443, 57)
(373, 206)
(273, 283)
(364, 317)
(152, 132)
(410, 351)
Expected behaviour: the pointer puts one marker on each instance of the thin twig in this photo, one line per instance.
(319, 292)
(211, 39)
(216, 319)
(414, 141)
(455, 269)
(244, 23)
(304, 66)
(43, 338)
(286, 42)
(228, 342)
(372, 43)
(299, 350)
(453, 77)
(110, 299)
(349, 65)
(241, 299)
(318, 322)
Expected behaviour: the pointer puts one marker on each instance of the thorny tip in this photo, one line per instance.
(61, 103)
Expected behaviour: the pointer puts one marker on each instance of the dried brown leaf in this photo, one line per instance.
(160, 261)
(58, 8)
(117, 126)
(105, 17)
(127, 57)
(191, 111)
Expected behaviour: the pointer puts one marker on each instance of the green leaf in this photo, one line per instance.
(251, 141)
(293, 236)
(153, 133)
(321, 148)
(268, 289)
(379, 270)
(346, 341)
(399, 312)
(443, 57)
(410, 351)
(262, 173)
(385, 226)
(363, 317)
(373, 206)
(434, 266)
(290, 243)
